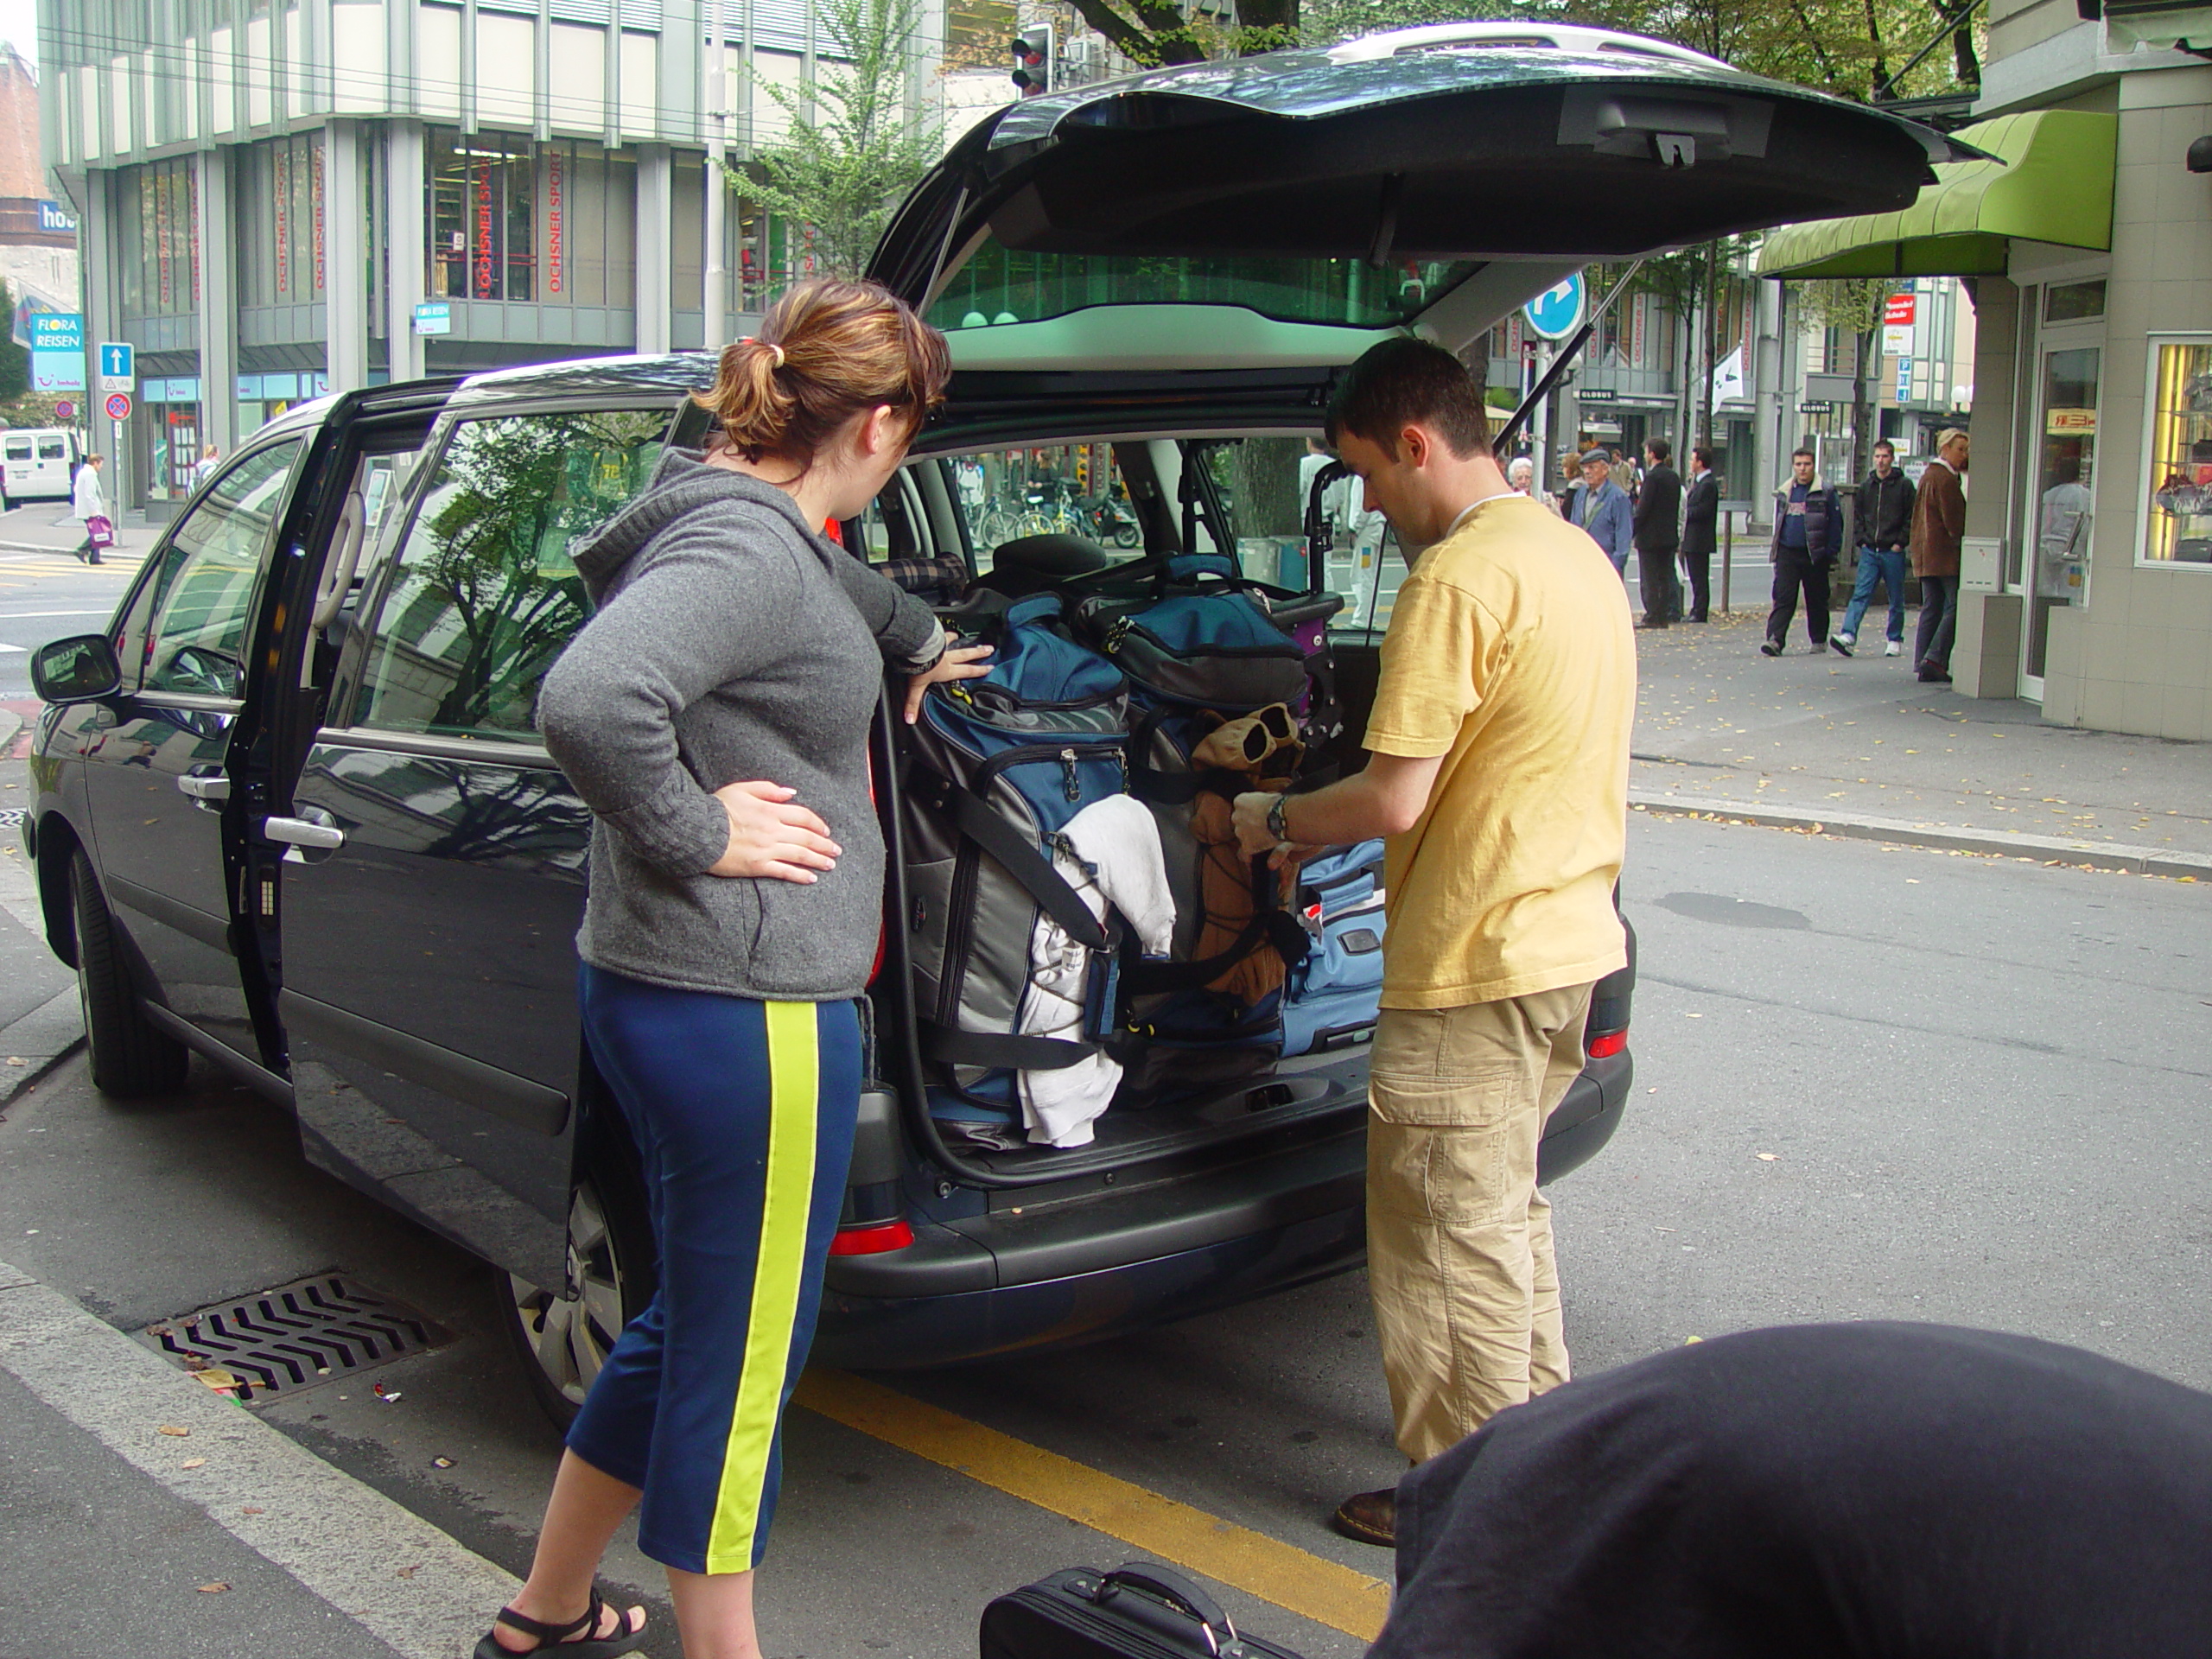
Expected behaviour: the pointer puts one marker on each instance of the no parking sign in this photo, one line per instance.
(119, 405)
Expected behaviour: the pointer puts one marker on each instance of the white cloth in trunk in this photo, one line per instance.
(1109, 852)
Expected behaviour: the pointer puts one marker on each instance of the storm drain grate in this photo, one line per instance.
(11, 817)
(278, 1342)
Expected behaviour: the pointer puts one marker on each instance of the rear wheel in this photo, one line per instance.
(130, 1055)
(562, 1333)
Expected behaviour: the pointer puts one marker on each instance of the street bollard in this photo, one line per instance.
(1727, 555)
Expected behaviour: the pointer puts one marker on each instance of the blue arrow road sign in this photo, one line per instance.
(117, 360)
(1557, 312)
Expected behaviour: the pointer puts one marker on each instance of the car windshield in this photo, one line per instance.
(1002, 285)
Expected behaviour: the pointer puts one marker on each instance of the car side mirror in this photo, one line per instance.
(81, 669)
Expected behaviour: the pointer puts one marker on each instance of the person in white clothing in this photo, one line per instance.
(86, 503)
(204, 468)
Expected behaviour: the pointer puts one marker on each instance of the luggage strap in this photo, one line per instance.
(1020, 859)
(997, 1050)
(1271, 925)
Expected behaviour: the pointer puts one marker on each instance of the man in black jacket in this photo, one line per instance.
(1885, 541)
(1700, 529)
(1807, 535)
(1658, 511)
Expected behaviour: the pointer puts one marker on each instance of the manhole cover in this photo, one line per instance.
(278, 1342)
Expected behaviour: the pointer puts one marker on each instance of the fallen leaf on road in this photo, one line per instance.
(440, 1463)
(194, 1463)
(250, 1509)
(177, 1429)
(17, 1059)
(408, 1571)
(214, 1589)
(1766, 1157)
(217, 1378)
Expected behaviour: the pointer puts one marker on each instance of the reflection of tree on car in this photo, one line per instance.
(486, 597)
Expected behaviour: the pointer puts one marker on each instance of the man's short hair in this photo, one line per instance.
(1884, 443)
(1661, 451)
(1400, 383)
(1943, 439)
(1807, 454)
(1703, 456)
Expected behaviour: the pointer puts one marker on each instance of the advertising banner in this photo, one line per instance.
(57, 351)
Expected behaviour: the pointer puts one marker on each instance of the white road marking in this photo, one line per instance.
(25, 616)
(337, 1538)
(4, 645)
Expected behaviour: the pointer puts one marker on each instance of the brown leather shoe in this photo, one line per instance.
(1371, 1517)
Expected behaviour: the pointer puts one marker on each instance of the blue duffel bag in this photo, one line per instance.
(1331, 999)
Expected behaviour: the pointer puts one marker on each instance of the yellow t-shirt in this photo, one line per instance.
(1511, 653)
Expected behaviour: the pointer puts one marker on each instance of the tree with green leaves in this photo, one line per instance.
(853, 147)
(14, 361)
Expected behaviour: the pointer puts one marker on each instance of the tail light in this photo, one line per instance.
(873, 1239)
(1602, 1048)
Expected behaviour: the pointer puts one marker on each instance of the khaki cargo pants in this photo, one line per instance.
(1458, 1240)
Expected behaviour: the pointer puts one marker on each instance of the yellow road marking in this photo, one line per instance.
(1310, 1586)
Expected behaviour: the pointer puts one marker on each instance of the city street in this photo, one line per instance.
(1873, 1082)
(46, 592)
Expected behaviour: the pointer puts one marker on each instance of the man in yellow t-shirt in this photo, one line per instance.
(1498, 770)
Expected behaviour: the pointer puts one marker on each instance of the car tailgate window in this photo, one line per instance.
(486, 596)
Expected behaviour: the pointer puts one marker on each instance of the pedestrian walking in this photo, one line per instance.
(1700, 530)
(1600, 506)
(1885, 502)
(1658, 534)
(88, 505)
(204, 468)
(1807, 531)
(714, 715)
(1939, 525)
(1498, 770)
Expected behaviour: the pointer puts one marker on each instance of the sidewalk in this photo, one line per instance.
(1860, 746)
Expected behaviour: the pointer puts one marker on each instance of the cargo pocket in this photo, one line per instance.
(1442, 1151)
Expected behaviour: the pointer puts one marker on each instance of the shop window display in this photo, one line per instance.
(2178, 528)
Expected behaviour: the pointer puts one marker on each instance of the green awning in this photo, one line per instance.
(2054, 184)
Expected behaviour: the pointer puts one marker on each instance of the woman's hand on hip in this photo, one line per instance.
(771, 835)
(958, 663)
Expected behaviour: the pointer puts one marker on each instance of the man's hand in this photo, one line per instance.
(958, 663)
(771, 836)
(1249, 814)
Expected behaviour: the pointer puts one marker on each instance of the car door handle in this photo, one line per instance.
(302, 832)
(205, 789)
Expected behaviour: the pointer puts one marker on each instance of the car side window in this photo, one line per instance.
(202, 592)
(487, 596)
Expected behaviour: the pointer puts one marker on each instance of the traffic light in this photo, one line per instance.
(1033, 59)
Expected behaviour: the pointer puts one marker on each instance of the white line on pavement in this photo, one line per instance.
(344, 1541)
(4, 645)
(25, 616)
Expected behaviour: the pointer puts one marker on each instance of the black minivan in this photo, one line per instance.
(292, 812)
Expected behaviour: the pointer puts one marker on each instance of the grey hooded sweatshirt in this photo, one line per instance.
(730, 642)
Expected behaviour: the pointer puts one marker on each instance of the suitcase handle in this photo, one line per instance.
(1177, 1591)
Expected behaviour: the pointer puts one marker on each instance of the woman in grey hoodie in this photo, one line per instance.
(714, 715)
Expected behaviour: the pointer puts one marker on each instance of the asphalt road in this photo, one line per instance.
(1980, 1086)
(45, 593)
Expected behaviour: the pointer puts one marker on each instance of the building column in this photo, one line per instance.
(405, 204)
(655, 203)
(345, 265)
(219, 302)
(99, 237)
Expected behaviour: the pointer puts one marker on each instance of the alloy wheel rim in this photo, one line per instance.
(571, 1331)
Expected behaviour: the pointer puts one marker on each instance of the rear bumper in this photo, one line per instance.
(1182, 1250)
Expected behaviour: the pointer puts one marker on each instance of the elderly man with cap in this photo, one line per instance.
(1602, 507)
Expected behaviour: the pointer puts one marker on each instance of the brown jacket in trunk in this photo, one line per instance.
(1939, 521)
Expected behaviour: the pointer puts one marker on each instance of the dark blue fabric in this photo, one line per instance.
(691, 1072)
(1792, 528)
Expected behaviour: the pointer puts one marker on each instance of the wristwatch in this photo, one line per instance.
(1276, 825)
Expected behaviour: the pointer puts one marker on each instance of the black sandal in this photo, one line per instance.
(554, 1637)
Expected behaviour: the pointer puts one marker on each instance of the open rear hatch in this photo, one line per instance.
(1096, 253)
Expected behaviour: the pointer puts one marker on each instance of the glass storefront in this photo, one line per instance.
(2177, 528)
(483, 216)
(282, 236)
(159, 222)
(2065, 482)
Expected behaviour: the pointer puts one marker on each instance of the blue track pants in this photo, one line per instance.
(742, 1112)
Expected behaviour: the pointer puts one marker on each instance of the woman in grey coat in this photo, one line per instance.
(714, 714)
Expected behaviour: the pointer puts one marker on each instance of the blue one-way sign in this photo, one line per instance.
(117, 365)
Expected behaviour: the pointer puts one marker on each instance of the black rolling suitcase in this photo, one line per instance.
(1136, 1612)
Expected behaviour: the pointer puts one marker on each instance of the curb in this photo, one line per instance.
(413, 1586)
(2000, 843)
(44, 1038)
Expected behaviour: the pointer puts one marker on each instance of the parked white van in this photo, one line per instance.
(40, 464)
